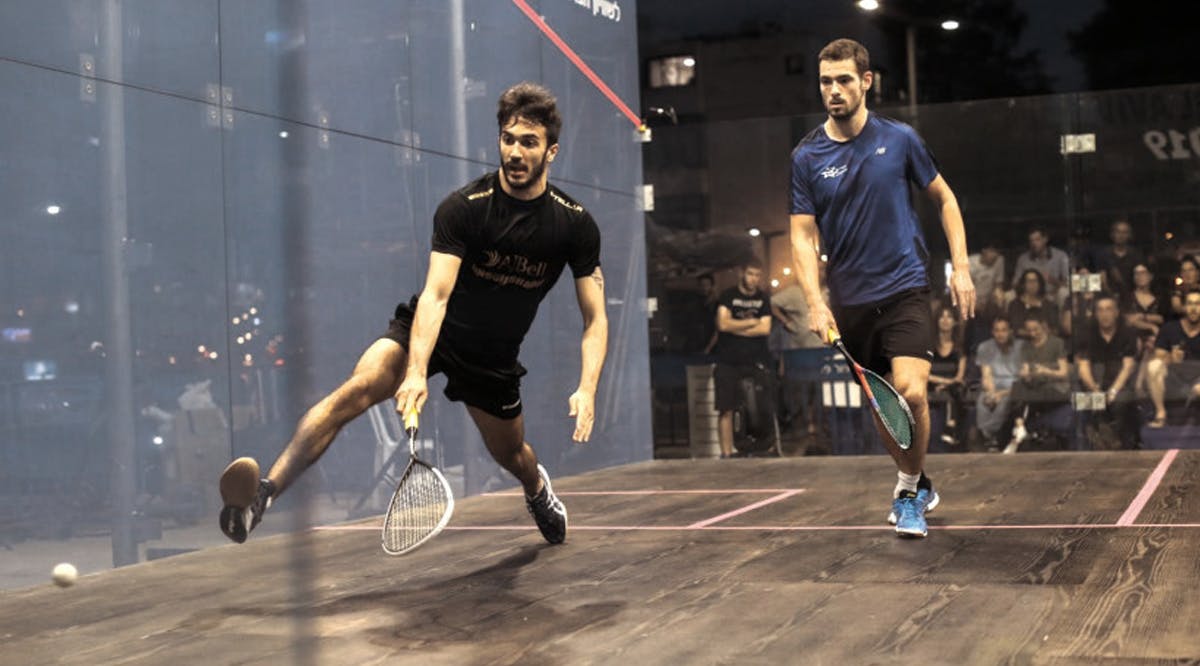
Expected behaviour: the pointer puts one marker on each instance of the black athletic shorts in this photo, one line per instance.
(876, 333)
(727, 384)
(1181, 378)
(477, 373)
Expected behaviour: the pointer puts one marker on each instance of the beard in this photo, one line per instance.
(532, 174)
(847, 109)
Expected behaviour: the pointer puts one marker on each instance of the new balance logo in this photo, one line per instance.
(881, 150)
(512, 406)
(834, 172)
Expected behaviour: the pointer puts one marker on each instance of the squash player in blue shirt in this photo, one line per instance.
(850, 198)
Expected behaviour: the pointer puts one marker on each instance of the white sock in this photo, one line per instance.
(906, 482)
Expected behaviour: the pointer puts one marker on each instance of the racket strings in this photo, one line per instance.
(417, 511)
(892, 409)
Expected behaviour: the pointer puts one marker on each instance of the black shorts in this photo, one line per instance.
(1181, 378)
(876, 333)
(727, 384)
(489, 380)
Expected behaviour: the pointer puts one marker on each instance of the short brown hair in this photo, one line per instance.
(532, 103)
(847, 49)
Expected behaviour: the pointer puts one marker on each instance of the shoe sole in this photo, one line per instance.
(937, 499)
(239, 483)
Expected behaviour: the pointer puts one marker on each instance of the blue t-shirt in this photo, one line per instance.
(858, 191)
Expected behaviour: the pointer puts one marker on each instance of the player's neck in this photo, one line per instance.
(845, 129)
(1189, 327)
(526, 193)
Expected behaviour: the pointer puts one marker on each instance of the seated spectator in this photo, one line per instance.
(1044, 381)
(1031, 301)
(999, 361)
(987, 272)
(1174, 373)
(1051, 262)
(1117, 261)
(948, 373)
(1188, 278)
(1106, 365)
(1144, 311)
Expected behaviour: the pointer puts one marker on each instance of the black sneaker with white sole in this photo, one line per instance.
(548, 511)
(246, 498)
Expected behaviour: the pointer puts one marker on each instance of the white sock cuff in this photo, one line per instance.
(907, 482)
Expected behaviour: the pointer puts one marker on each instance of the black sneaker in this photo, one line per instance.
(246, 497)
(548, 511)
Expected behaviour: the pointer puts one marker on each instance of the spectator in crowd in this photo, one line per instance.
(790, 333)
(1031, 301)
(1044, 381)
(1188, 278)
(1117, 261)
(743, 324)
(1051, 262)
(1174, 373)
(1144, 311)
(708, 292)
(987, 271)
(999, 361)
(948, 373)
(1106, 365)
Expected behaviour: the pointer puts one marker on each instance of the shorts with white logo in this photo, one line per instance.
(492, 384)
(901, 325)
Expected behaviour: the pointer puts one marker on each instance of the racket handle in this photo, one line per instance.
(832, 336)
(410, 421)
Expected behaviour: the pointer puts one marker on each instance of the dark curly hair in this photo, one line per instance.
(532, 103)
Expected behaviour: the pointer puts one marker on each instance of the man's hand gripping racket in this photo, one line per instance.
(891, 409)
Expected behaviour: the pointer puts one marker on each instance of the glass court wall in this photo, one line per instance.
(209, 209)
(1070, 165)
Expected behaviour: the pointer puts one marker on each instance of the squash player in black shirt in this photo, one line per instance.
(499, 245)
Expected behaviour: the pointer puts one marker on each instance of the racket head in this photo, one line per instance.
(891, 407)
(421, 507)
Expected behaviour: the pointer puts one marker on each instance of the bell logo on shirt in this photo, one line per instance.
(511, 269)
(834, 172)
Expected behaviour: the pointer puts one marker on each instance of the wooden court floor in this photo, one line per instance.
(1031, 559)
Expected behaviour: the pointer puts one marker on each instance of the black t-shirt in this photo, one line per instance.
(739, 349)
(512, 253)
(1108, 352)
(1172, 334)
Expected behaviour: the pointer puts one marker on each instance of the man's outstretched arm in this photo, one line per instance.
(590, 292)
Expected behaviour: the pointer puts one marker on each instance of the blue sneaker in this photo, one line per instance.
(910, 513)
(932, 500)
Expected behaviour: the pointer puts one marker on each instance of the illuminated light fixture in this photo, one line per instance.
(249, 336)
(53, 209)
(950, 24)
(241, 340)
(774, 283)
(158, 440)
(754, 231)
(236, 321)
(825, 257)
(212, 355)
(201, 349)
(868, 5)
(257, 321)
(283, 134)
(689, 62)
(171, 360)
(253, 310)
(1170, 235)
(787, 271)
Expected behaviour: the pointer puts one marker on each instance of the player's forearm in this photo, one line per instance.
(956, 234)
(427, 323)
(593, 349)
(804, 255)
(1127, 367)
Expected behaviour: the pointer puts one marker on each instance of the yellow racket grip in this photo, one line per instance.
(410, 420)
(831, 335)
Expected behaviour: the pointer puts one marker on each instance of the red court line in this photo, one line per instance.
(746, 509)
(1151, 485)
(577, 61)
(719, 491)
(771, 528)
